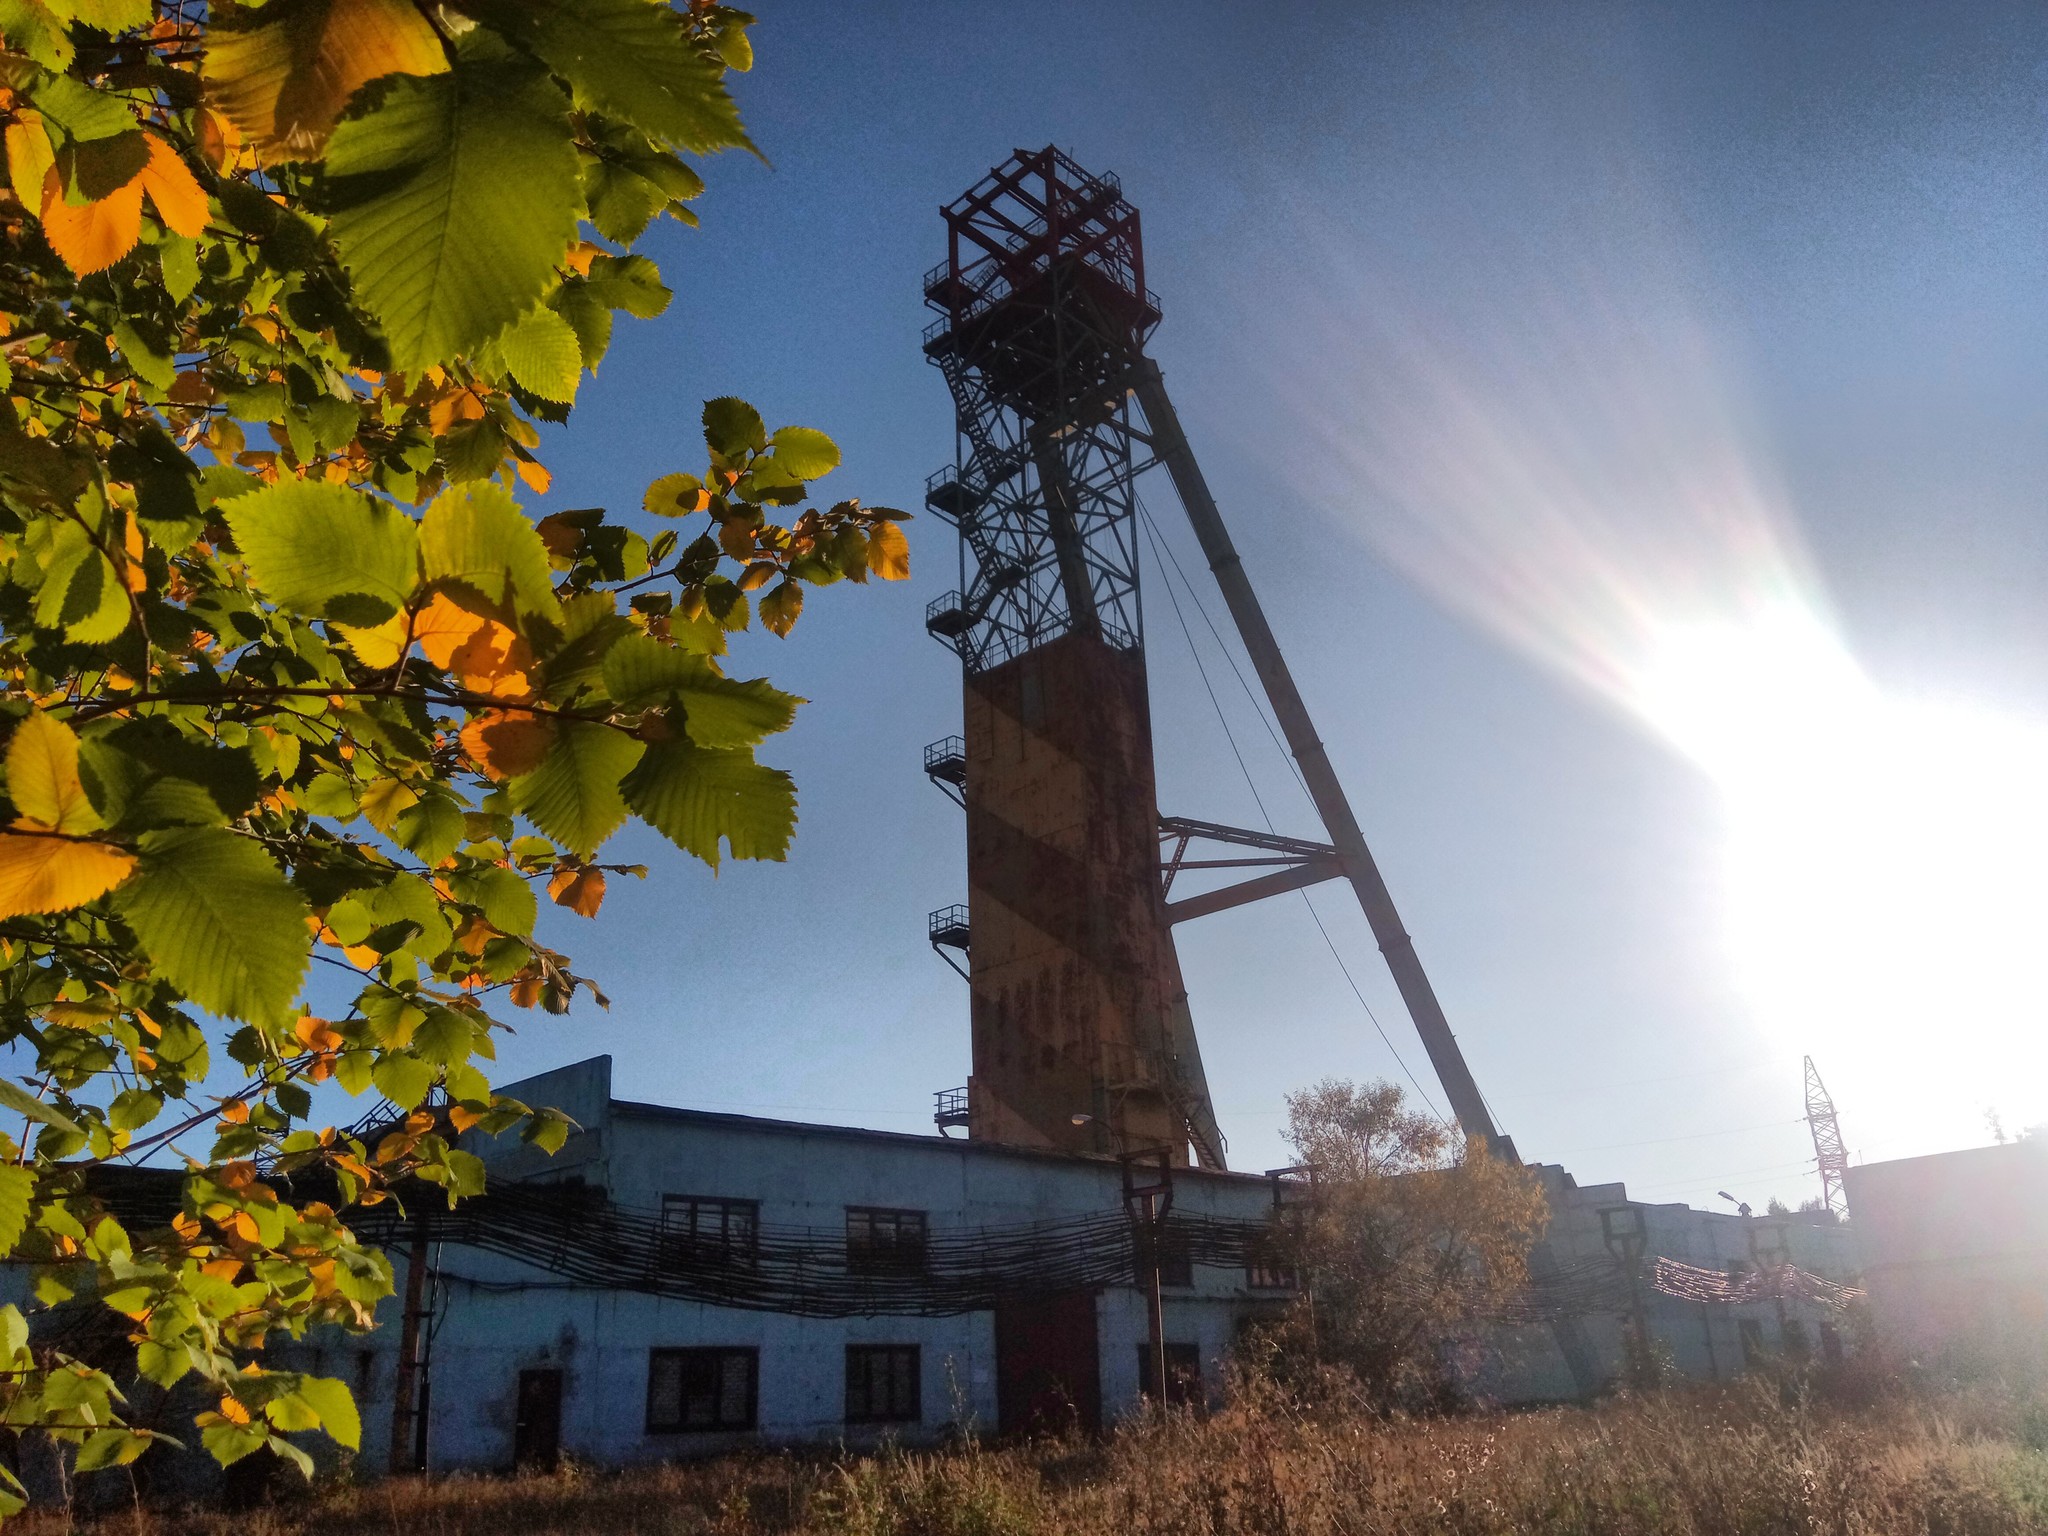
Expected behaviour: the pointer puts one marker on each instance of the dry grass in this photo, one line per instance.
(1735, 1462)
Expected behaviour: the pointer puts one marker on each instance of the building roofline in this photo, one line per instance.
(909, 1139)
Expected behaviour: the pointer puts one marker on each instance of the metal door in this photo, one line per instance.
(1047, 1374)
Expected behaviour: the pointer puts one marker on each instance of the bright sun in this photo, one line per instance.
(1888, 859)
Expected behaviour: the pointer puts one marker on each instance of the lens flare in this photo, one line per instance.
(1585, 488)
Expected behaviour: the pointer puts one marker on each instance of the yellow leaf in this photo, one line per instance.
(888, 552)
(29, 157)
(377, 646)
(180, 202)
(283, 74)
(462, 1119)
(383, 801)
(42, 776)
(507, 743)
(92, 238)
(54, 874)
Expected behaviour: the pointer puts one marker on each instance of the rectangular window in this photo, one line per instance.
(1183, 1374)
(884, 1241)
(883, 1384)
(700, 1229)
(1266, 1269)
(1176, 1260)
(690, 1389)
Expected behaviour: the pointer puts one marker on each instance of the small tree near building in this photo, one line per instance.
(1415, 1232)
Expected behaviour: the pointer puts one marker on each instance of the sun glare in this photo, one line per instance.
(1585, 487)
(1887, 866)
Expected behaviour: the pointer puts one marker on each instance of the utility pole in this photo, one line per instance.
(407, 1421)
(1148, 1197)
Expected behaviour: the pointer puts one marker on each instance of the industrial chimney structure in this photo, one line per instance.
(1082, 1038)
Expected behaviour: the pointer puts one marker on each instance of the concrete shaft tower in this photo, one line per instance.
(1081, 1036)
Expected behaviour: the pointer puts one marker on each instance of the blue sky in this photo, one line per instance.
(1496, 328)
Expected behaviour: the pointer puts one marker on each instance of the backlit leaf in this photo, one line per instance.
(179, 201)
(42, 775)
(780, 608)
(282, 74)
(506, 900)
(24, 1103)
(541, 351)
(92, 238)
(325, 550)
(29, 157)
(574, 795)
(888, 552)
(110, 1447)
(52, 874)
(337, 1408)
(580, 890)
(404, 1080)
(219, 921)
(805, 452)
(453, 198)
(475, 534)
(508, 743)
(629, 60)
(17, 1185)
(697, 796)
(641, 672)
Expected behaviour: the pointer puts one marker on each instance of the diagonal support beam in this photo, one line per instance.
(1294, 878)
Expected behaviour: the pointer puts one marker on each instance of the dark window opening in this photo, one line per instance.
(1752, 1333)
(1792, 1339)
(705, 1230)
(1176, 1259)
(1183, 1374)
(883, 1384)
(884, 1241)
(1830, 1343)
(701, 1389)
(1267, 1269)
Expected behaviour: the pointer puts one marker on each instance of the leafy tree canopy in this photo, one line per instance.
(290, 679)
(1413, 1234)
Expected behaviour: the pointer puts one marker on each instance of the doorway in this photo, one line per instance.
(537, 1429)
(1047, 1374)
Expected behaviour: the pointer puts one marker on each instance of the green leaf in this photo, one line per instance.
(631, 283)
(110, 1448)
(17, 1187)
(733, 427)
(332, 1400)
(229, 1443)
(629, 60)
(475, 534)
(81, 592)
(24, 1103)
(326, 551)
(444, 1037)
(179, 259)
(574, 795)
(112, 17)
(82, 112)
(506, 901)
(640, 672)
(404, 1080)
(454, 197)
(219, 921)
(160, 1364)
(588, 316)
(151, 364)
(432, 827)
(805, 452)
(541, 351)
(696, 796)
(29, 26)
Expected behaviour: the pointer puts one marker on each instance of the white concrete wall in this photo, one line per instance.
(802, 1176)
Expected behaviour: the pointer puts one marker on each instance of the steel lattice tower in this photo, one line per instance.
(1828, 1149)
(1082, 1039)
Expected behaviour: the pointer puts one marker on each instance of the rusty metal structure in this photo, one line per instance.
(1829, 1150)
(1082, 1035)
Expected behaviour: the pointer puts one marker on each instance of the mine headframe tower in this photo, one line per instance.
(1081, 1034)
(1830, 1153)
